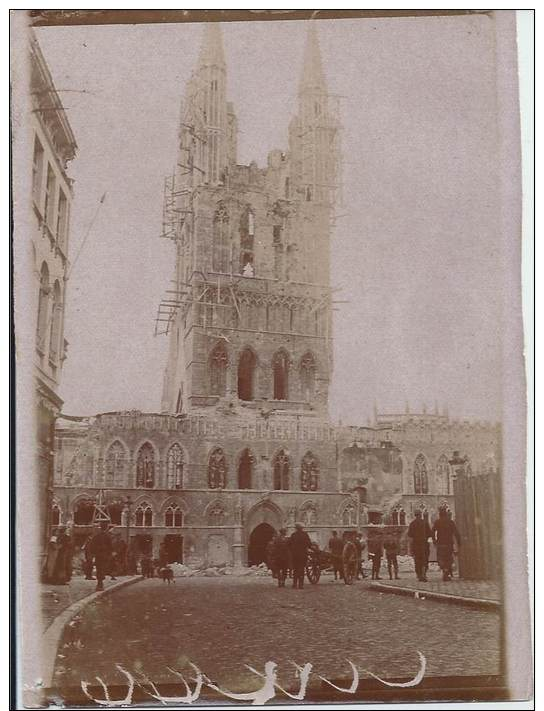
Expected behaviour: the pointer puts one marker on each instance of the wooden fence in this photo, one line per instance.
(478, 518)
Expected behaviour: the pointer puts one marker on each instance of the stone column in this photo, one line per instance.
(238, 546)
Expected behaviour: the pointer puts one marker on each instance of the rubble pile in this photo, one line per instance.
(189, 571)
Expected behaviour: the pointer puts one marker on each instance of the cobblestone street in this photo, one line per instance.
(220, 625)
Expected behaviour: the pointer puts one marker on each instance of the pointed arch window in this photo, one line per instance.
(221, 241)
(56, 318)
(443, 474)
(43, 307)
(247, 242)
(219, 361)
(217, 469)
(115, 465)
(143, 516)
(173, 516)
(280, 372)
(245, 470)
(421, 480)
(145, 467)
(174, 467)
(281, 471)
(308, 514)
(309, 472)
(246, 374)
(307, 376)
(349, 515)
(84, 512)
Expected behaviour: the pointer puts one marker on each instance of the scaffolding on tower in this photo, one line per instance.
(178, 197)
(321, 150)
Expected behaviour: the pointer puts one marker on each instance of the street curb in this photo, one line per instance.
(440, 597)
(53, 634)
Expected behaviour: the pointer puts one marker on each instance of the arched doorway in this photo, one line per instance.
(258, 540)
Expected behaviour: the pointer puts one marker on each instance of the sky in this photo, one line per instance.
(416, 250)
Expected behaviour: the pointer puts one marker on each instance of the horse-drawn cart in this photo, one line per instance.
(319, 560)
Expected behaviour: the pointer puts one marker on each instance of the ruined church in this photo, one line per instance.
(243, 445)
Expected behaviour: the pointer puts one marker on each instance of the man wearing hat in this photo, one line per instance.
(299, 543)
(419, 533)
(101, 548)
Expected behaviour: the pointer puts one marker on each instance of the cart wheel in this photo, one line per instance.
(313, 571)
(349, 564)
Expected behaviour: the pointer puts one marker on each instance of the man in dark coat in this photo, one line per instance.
(419, 532)
(101, 548)
(444, 533)
(88, 561)
(281, 556)
(375, 550)
(299, 543)
(336, 546)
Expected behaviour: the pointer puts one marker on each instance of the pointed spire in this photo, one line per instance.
(211, 50)
(312, 76)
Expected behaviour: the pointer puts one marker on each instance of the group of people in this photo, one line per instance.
(101, 551)
(288, 555)
(443, 534)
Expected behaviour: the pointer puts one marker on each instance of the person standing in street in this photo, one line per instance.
(299, 543)
(101, 548)
(360, 545)
(281, 556)
(336, 546)
(444, 534)
(375, 549)
(419, 533)
(391, 548)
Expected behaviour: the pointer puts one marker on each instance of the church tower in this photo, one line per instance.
(250, 321)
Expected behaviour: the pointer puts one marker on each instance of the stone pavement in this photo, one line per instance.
(484, 591)
(222, 624)
(57, 598)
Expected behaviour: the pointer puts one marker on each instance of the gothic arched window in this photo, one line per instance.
(421, 481)
(217, 469)
(281, 471)
(349, 515)
(43, 307)
(143, 516)
(115, 465)
(308, 515)
(221, 241)
(219, 361)
(246, 374)
(56, 319)
(443, 475)
(145, 467)
(280, 372)
(245, 470)
(309, 473)
(307, 376)
(84, 512)
(247, 243)
(173, 516)
(216, 514)
(174, 467)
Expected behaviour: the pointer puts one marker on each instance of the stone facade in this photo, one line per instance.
(243, 444)
(53, 145)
